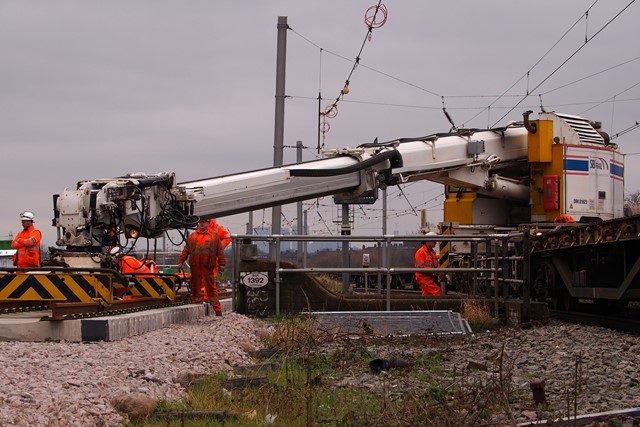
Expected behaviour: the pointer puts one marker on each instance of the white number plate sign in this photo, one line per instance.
(255, 280)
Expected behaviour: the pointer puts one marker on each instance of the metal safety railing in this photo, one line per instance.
(501, 260)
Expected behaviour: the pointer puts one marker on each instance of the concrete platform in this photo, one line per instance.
(28, 326)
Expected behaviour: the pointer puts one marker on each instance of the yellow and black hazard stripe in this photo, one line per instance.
(65, 287)
(445, 246)
(153, 286)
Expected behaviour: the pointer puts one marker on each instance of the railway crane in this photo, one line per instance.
(528, 172)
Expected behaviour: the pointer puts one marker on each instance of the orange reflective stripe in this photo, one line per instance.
(222, 233)
(201, 248)
(426, 258)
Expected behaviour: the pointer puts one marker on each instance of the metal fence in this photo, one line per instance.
(499, 261)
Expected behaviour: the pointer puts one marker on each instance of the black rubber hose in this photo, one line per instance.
(151, 181)
(394, 156)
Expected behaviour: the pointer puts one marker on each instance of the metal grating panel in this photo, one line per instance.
(392, 323)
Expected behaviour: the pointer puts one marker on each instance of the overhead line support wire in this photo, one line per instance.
(569, 58)
(532, 67)
(591, 75)
(407, 199)
(625, 131)
(357, 59)
(363, 65)
(444, 110)
(332, 110)
(610, 98)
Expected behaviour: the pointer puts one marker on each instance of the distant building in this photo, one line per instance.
(312, 247)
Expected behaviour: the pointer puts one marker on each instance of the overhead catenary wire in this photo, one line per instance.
(625, 131)
(590, 75)
(494, 104)
(527, 73)
(331, 111)
(371, 216)
(382, 73)
(587, 40)
(323, 221)
(611, 98)
(465, 108)
(379, 7)
(477, 107)
(503, 95)
(405, 197)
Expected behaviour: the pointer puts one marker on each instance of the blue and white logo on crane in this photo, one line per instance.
(583, 165)
(598, 163)
(576, 165)
(617, 170)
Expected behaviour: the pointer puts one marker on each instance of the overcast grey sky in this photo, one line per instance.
(98, 89)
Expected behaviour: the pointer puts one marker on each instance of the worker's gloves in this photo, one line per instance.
(221, 269)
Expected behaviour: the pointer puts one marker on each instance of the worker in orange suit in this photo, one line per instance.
(564, 218)
(27, 243)
(224, 237)
(426, 257)
(131, 265)
(203, 250)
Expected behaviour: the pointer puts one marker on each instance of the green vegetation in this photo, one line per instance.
(307, 391)
(318, 379)
(478, 315)
(311, 377)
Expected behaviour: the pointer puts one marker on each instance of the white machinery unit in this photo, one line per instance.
(526, 175)
(525, 171)
(592, 171)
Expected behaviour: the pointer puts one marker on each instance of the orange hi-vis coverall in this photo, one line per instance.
(203, 250)
(564, 218)
(131, 265)
(224, 237)
(427, 258)
(27, 243)
(221, 231)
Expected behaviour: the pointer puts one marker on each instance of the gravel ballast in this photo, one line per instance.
(72, 384)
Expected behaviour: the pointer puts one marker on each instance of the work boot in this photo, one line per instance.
(218, 314)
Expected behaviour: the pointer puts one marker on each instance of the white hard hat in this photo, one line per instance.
(27, 216)
(431, 233)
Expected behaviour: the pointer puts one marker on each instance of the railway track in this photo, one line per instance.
(77, 310)
(625, 324)
(7, 307)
